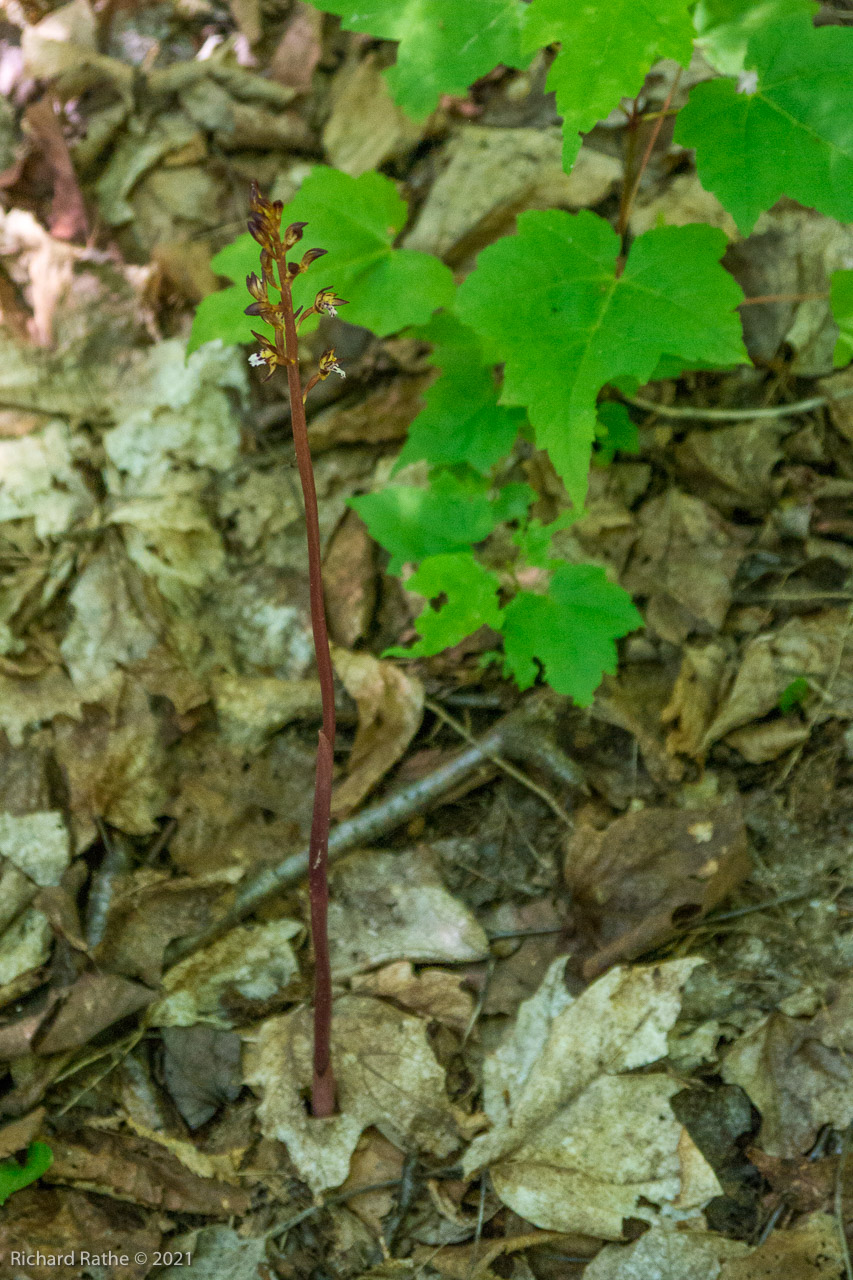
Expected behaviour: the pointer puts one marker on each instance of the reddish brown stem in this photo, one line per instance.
(323, 1084)
(632, 181)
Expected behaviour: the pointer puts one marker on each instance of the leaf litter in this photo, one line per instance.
(518, 1014)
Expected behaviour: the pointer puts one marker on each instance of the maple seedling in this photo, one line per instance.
(280, 350)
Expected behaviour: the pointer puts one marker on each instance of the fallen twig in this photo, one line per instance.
(518, 734)
(736, 415)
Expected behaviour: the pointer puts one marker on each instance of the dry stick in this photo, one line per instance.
(323, 1084)
(507, 737)
(684, 412)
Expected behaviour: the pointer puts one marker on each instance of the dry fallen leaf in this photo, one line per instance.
(814, 647)
(666, 1254)
(140, 1171)
(491, 175)
(255, 960)
(576, 1143)
(114, 766)
(433, 993)
(684, 562)
(797, 1072)
(648, 872)
(389, 906)
(390, 707)
(95, 1001)
(375, 1159)
(809, 1251)
(59, 1221)
(386, 1074)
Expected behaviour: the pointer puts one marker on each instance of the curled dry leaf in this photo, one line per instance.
(388, 906)
(576, 1143)
(815, 647)
(650, 871)
(386, 1073)
(798, 1073)
(390, 707)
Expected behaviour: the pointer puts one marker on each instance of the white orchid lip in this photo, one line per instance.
(255, 360)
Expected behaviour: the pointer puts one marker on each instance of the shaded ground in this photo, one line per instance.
(159, 713)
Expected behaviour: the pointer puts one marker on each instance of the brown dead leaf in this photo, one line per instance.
(806, 1185)
(798, 1073)
(68, 220)
(390, 707)
(732, 467)
(114, 766)
(694, 699)
(201, 1070)
(433, 993)
(349, 581)
(384, 415)
(809, 1251)
(126, 1167)
(29, 702)
(817, 647)
(20, 1133)
(365, 128)
(684, 561)
(386, 1073)
(150, 908)
(56, 1222)
(375, 1159)
(649, 872)
(299, 49)
(95, 1001)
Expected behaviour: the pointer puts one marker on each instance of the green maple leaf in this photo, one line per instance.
(565, 324)
(784, 128)
(607, 50)
(356, 220)
(451, 514)
(445, 45)
(470, 594)
(841, 300)
(14, 1177)
(725, 26)
(462, 421)
(568, 633)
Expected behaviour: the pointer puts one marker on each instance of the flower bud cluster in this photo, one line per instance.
(265, 226)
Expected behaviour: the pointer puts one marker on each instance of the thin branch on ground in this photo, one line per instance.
(685, 412)
(510, 769)
(518, 734)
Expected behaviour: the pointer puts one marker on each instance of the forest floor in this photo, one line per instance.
(594, 1011)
